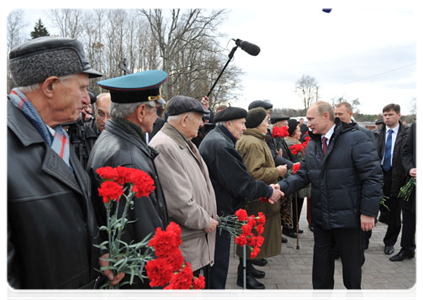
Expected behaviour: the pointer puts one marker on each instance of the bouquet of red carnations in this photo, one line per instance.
(168, 268)
(244, 228)
(278, 133)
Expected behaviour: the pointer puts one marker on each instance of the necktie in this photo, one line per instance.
(387, 157)
(325, 145)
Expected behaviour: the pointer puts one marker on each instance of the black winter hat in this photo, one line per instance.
(292, 125)
(255, 117)
(230, 113)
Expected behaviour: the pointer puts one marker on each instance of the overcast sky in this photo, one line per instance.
(359, 50)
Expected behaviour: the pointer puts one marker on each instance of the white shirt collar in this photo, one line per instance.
(329, 134)
(396, 129)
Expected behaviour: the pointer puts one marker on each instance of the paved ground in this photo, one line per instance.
(292, 268)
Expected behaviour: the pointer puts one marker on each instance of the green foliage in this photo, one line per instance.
(39, 30)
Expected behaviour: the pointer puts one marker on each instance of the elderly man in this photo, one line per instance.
(231, 181)
(189, 193)
(51, 226)
(346, 187)
(122, 143)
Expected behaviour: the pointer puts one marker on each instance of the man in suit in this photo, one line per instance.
(390, 141)
(408, 206)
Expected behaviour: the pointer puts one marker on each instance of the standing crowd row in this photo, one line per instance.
(204, 165)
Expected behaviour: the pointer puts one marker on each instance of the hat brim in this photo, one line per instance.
(161, 101)
(92, 73)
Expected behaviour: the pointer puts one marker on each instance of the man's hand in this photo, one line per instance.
(212, 226)
(367, 222)
(279, 152)
(109, 273)
(277, 194)
(282, 170)
(205, 102)
(413, 172)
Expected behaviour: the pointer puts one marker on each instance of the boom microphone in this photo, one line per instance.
(248, 47)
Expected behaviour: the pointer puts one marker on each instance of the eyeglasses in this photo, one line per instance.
(102, 115)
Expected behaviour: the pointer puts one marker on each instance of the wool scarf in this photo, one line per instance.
(59, 143)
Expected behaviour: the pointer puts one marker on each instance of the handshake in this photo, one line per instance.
(276, 195)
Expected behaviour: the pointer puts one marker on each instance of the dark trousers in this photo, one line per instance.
(349, 245)
(219, 271)
(394, 213)
(297, 207)
(309, 211)
(408, 243)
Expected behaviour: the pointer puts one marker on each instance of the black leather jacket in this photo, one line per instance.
(51, 224)
(120, 144)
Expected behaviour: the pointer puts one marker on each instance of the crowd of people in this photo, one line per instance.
(204, 164)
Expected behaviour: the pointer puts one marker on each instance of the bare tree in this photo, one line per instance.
(15, 36)
(415, 105)
(308, 89)
(186, 40)
(68, 21)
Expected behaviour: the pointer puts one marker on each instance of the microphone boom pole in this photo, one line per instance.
(230, 55)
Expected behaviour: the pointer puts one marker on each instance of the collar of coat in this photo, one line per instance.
(340, 128)
(175, 135)
(256, 133)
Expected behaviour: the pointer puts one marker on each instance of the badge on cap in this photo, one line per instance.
(137, 87)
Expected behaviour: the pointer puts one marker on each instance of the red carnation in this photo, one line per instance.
(107, 173)
(181, 280)
(164, 242)
(260, 229)
(159, 272)
(261, 218)
(296, 148)
(246, 229)
(143, 183)
(255, 252)
(110, 191)
(241, 240)
(252, 221)
(259, 240)
(264, 200)
(251, 241)
(241, 214)
(175, 260)
(199, 283)
(296, 167)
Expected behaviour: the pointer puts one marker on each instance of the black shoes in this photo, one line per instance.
(256, 273)
(259, 262)
(289, 232)
(389, 250)
(230, 296)
(284, 240)
(401, 256)
(252, 283)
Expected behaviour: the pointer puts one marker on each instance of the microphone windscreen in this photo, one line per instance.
(250, 48)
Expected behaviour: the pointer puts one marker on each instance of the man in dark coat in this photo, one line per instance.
(232, 183)
(51, 225)
(342, 166)
(393, 136)
(408, 206)
(122, 143)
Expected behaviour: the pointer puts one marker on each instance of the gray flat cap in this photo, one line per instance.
(182, 104)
